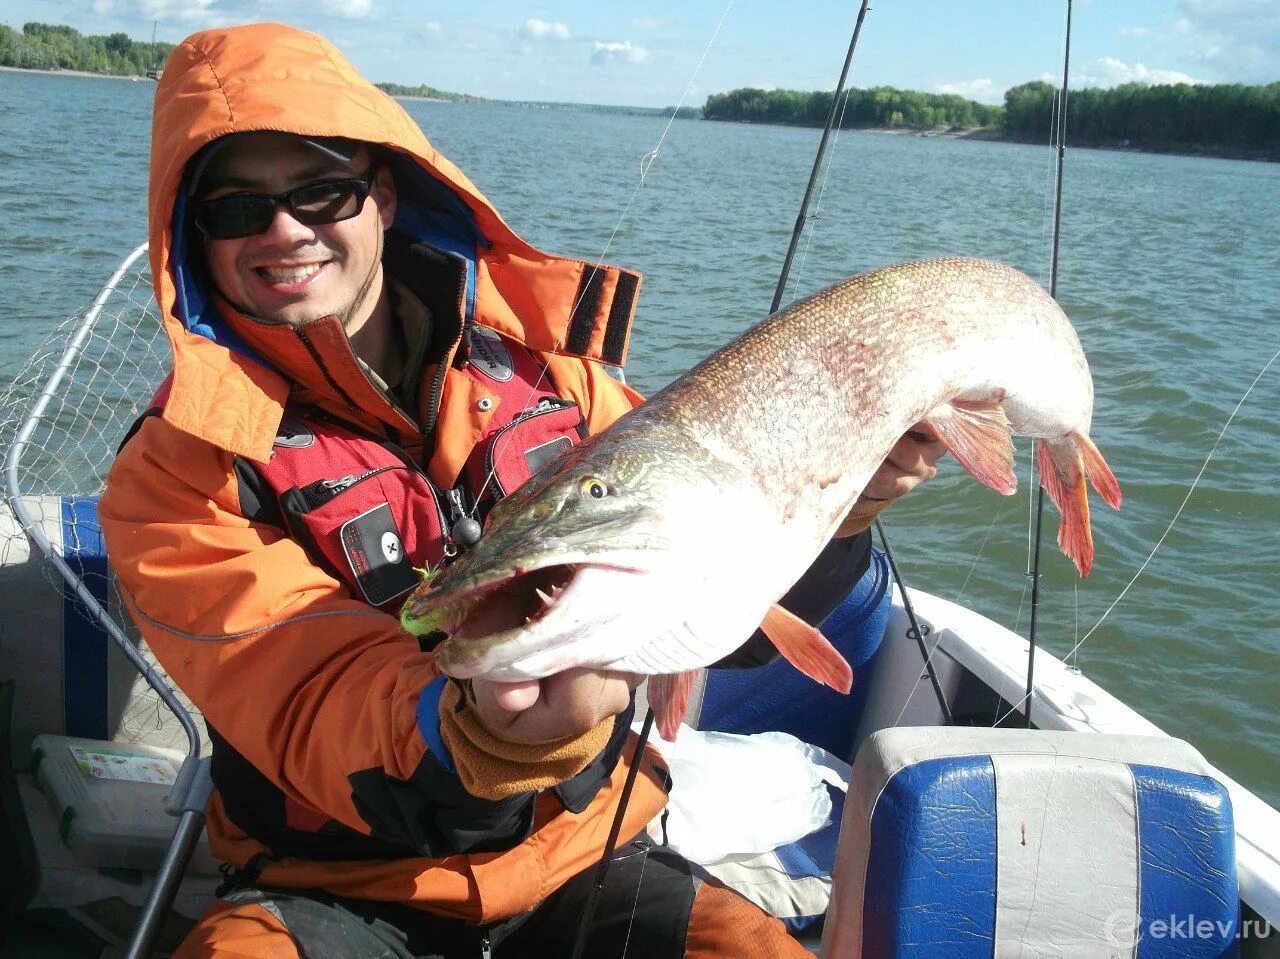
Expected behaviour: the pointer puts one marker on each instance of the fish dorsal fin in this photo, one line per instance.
(980, 438)
(807, 649)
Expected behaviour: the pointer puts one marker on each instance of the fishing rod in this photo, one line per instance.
(1060, 133)
(802, 219)
(642, 738)
(611, 844)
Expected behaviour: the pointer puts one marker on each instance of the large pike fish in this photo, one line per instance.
(659, 545)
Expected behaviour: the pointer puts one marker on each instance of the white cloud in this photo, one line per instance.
(1134, 31)
(1110, 72)
(618, 52)
(1237, 40)
(432, 28)
(349, 9)
(103, 6)
(650, 23)
(980, 86)
(544, 29)
(184, 10)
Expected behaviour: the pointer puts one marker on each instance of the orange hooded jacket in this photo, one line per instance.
(314, 690)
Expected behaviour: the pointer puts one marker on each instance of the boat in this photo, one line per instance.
(934, 679)
(154, 71)
(985, 811)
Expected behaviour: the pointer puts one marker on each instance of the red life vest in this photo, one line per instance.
(366, 512)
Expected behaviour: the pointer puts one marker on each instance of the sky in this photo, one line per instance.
(648, 54)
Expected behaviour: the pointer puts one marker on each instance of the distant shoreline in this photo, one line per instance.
(398, 96)
(988, 134)
(74, 73)
(996, 135)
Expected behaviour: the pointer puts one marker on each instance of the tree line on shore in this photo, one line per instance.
(431, 93)
(874, 106)
(1225, 115)
(1228, 117)
(1224, 118)
(50, 46)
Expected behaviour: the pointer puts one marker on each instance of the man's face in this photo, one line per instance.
(292, 272)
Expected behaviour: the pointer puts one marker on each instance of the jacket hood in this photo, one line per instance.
(272, 77)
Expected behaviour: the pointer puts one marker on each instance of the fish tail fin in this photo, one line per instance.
(669, 695)
(807, 649)
(1099, 473)
(980, 438)
(1062, 476)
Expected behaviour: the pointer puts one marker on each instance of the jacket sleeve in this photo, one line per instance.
(325, 696)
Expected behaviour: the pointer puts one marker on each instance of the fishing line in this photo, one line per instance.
(1075, 589)
(648, 160)
(812, 225)
(981, 549)
(646, 163)
(1053, 292)
(802, 215)
(1035, 502)
(611, 844)
(1046, 220)
(1163, 536)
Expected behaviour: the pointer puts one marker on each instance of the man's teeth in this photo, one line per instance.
(290, 274)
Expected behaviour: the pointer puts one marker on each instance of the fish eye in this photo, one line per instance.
(590, 486)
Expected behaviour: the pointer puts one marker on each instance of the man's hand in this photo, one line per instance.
(567, 704)
(912, 461)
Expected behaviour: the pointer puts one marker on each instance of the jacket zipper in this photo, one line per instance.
(323, 491)
(437, 383)
(351, 403)
(324, 370)
(548, 404)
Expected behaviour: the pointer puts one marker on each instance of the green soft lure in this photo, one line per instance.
(433, 620)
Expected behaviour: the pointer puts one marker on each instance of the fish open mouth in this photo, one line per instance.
(512, 603)
(519, 612)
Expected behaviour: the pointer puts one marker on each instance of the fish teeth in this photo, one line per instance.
(546, 600)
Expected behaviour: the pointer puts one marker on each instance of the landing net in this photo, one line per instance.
(62, 417)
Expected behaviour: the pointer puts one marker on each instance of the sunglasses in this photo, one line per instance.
(234, 217)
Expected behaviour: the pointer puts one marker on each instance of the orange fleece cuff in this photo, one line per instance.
(492, 768)
(862, 515)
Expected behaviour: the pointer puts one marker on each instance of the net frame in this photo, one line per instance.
(67, 410)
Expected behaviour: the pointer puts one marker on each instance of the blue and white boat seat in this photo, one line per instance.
(73, 680)
(960, 843)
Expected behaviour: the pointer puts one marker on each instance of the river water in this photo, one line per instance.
(1170, 268)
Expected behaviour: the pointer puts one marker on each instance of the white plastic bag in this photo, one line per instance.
(735, 795)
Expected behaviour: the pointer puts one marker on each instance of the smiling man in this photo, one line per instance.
(366, 358)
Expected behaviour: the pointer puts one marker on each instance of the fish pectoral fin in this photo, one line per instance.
(1062, 476)
(805, 648)
(669, 695)
(1099, 473)
(980, 438)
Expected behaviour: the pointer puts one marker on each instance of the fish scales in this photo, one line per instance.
(659, 544)
(852, 361)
